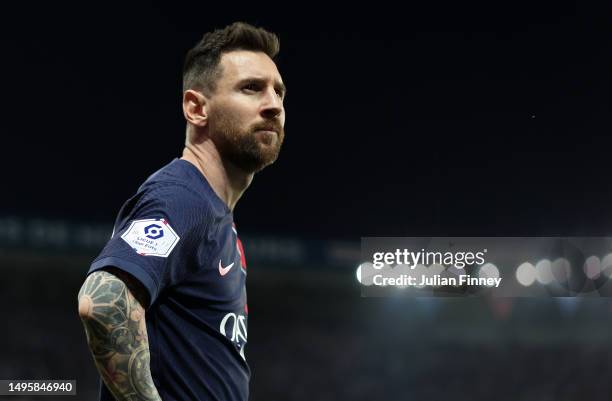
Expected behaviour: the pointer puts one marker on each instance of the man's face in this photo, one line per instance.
(246, 116)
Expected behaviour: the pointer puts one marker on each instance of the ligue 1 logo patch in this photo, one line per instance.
(151, 237)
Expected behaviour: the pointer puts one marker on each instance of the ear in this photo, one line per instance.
(195, 108)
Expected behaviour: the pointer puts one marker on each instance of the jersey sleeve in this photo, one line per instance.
(157, 237)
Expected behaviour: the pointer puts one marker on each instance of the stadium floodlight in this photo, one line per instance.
(436, 269)
(454, 271)
(544, 272)
(606, 265)
(592, 267)
(364, 273)
(419, 271)
(526, 274)
(561, 269)
(488, 270)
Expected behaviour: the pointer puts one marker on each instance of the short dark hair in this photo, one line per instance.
(201, 68)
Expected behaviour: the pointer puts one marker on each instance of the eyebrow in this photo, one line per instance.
(277, 85)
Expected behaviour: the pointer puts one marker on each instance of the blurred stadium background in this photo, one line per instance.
(312, 337)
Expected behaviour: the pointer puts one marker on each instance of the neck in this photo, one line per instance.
(228, 181)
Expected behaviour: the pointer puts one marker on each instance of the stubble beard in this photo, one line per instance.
(241, 146)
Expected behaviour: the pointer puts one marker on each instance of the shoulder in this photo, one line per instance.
(172, 185)
(172, 192)
(178, 184)
(174, 204)
(176, 195)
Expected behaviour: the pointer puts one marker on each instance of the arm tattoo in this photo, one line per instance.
(116, 332)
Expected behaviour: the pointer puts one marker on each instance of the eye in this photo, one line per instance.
(251, 87)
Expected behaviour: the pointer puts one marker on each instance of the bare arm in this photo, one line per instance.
(110, 307)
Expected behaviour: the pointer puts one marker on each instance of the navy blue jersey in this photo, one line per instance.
(178, 238)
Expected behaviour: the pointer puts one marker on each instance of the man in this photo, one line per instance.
(164, 304)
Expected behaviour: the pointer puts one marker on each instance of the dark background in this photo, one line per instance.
(445, 119)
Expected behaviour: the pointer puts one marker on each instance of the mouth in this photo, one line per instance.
(267, 137)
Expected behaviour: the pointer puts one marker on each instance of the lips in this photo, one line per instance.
(270, 127)
(267, 137)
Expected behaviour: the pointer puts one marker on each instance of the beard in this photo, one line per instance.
(246, 148)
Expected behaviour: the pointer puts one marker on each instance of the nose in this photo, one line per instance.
(272, 104)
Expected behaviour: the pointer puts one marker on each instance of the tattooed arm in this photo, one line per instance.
(111, 309)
